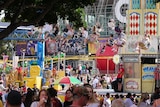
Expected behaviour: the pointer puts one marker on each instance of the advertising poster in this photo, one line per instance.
(148, 79)
(129, 70)
(51, 47)
(94, 46)
(29, 46)
(132, 85)
(132, 77)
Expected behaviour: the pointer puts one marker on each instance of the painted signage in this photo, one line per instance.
(148, 77)
(131, 59)
(148, 72)
(131, 84)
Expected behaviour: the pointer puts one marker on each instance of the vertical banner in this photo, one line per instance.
(15, 62)
(148, 78)
(41, 54)
(5, 59)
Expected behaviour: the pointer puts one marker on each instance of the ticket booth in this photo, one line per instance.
(148, 74)
(132, 76)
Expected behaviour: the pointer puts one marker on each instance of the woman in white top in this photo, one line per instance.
(43, 100)
(92, 102)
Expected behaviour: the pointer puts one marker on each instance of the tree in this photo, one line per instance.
(157, 1)
(37, 12)
(6, 48)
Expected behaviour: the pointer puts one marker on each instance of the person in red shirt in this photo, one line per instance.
(54, 71)
(19, 73)
(119, 77)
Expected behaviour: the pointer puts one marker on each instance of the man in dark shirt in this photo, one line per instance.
(13, 99)
(35, 89)
(155, 95)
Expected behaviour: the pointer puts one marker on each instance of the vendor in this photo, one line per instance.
(119, 77)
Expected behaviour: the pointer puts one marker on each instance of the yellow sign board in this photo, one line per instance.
(148, 79)
(35, 71)
(33, 80)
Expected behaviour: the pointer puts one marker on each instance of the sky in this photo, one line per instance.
(2, 15)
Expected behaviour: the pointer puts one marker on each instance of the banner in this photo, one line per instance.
(15, 61)
(5, 59)
(29, 46)
(148, 72)
(132, 85)
(94, 46)
(148, 77)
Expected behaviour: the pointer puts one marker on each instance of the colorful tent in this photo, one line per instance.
(108, 51)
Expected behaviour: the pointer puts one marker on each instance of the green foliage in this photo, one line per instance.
(79, 19)
(60, 56)
(8, 69)
(1, 70)
(37, 12)
(6, 48)
(157, 1)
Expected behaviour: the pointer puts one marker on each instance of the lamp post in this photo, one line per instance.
(59, 60)
(64, 62)
(23, 56)
(158, 56)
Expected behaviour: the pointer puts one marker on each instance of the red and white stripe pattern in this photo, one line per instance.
(134, 23)
(150, 23)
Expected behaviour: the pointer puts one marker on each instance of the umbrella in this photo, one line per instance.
(57, 87)
(68, 80)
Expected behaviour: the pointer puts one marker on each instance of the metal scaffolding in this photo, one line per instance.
(101, 12)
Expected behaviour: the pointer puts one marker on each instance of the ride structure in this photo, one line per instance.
(23, 34)
(140, 54)
(110, 15)
(141, 49)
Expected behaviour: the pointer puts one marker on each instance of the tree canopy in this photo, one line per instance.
(37, 12)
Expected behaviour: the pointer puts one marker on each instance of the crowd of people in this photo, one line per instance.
(80, 95)
(75, 96)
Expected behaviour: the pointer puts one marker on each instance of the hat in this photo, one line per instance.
(14, 98)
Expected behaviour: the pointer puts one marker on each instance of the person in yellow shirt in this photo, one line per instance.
(1, 104)
(112, 98)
